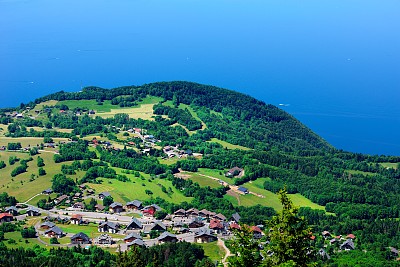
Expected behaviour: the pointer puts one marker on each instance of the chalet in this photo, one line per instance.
(60, 199)
(136, 242)
(78, 205)
(196, 223)
(158, 226)
(167, 237)
(54, 232)
(99, 207)
(6, 217)
(137, 130)
(80, 238)
(234, 226)
(326, 234)
(323, 254)
(132, 236)
(47, 225)
(103, 239)
(134, 224)
(216, 225)
(394, 252)
(257, 233)
(192, 212)
(204, 213)
(220, 217)
(48, 191)
(90, 191)
(12, 210)
(347, 245)
(31, 211)
(134, 205)
(350, 236)
(235, 217)
(3, 147)
(77, 195)
(109, 227)
(235, 171)
(151, 210)
(205, 237)
(189, 152)
(243, 190)
(180, 213)
(76, 219)
(102, 195)
(92, 112)
(116, 207)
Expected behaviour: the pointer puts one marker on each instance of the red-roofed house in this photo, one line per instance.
(216, 225)
(351, 236)
(5, 217)
(257, 233)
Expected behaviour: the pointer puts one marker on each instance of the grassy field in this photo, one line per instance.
(128, 191)
(213, 251)
(89, 104)
(228, 145)
(204, 181)
(26, 141)
(21, 242)
(390, 165)
(20, 186)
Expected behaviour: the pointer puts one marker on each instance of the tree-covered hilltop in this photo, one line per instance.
(229, 115)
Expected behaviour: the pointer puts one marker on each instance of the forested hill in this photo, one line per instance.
(230, 116)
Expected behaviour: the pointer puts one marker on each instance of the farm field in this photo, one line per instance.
(20, 242)
(390, 165)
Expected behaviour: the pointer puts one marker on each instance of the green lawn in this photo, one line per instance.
(228, 145)
(21, 242)
(213, 251)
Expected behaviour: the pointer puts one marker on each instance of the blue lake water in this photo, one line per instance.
(335, 65)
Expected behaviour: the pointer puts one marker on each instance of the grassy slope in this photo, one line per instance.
(228, 145)
(213, 251)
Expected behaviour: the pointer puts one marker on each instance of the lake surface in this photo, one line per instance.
(334, 65)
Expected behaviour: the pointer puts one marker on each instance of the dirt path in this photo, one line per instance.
(221, 244)
(26, 202)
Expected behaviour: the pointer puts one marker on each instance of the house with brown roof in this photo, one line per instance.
(216, 226)
(78, 205)
(134, 224)
(76, 219)
(47, 225)
(180, 213)
(205, 237)
(220, 217)
(167, 237)
(54, 232)
(158, 226)
(134, 205)
(110, 227)
(60, 199)
(196, 223)
(257, 233)
(192, 212)
(99, 207)
(6, 217)
(80, 238)
(131, 237)
(116, 207)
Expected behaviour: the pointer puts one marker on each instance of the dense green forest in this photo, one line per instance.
(360, 194)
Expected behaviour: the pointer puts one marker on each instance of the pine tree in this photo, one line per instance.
(289, 237)
(246, 249)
